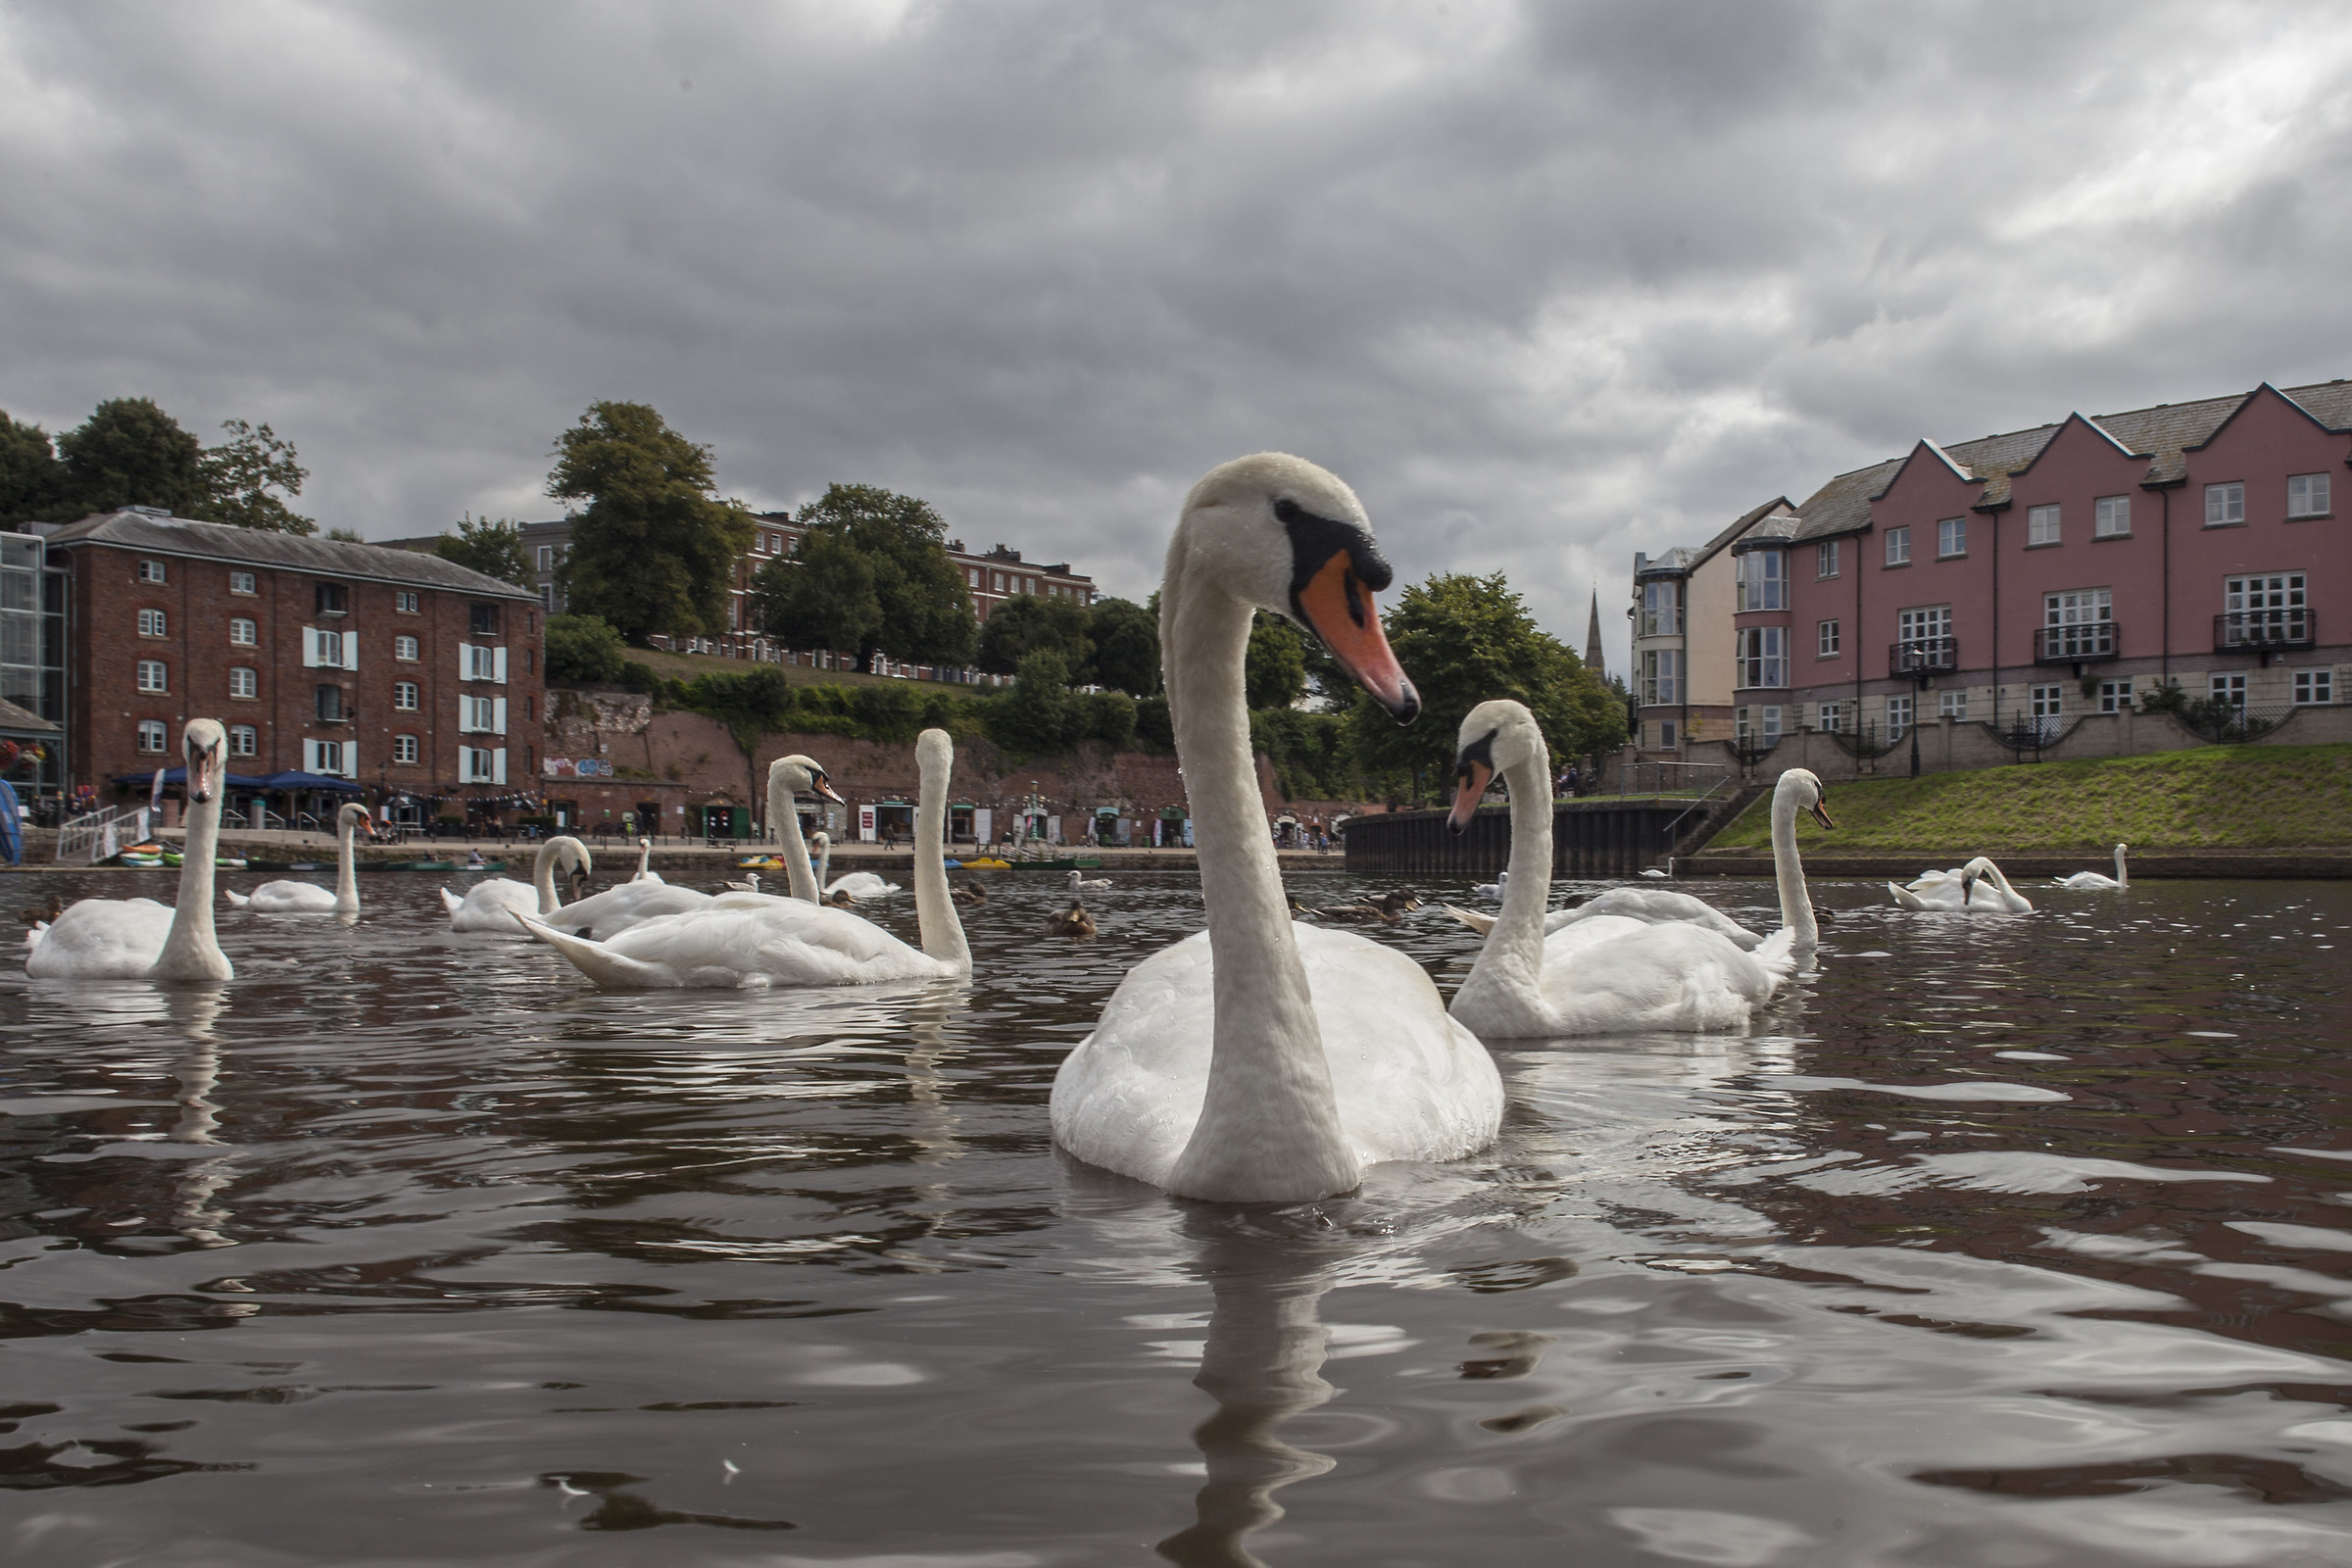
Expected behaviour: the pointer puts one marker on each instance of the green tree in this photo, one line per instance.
(491, 546)
(926, 609)
(1274, 670)
(33, 484)
(1465, 640)
(1038, 714)
(820, 597)
(1126, 639)
(1029, 623)
(129, 453)
(891, 710)
(242, 474)
(653, 550)
(584, 648)
(1109, 718)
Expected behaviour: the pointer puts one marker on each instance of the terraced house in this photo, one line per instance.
(2101, 585)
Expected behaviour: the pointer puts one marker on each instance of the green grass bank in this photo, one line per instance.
(2215, 798)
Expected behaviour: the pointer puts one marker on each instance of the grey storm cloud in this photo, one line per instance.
(1547, 283)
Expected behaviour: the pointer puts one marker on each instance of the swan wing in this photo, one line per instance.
(616, 909)
(753, 940)
(1481, 923)
(491, 906)
(101, 939)
(289, 897)
(236, 900)
(452, 903)
(1672, 977)
(1656, 905)
(862, 885)
(1409, 1081)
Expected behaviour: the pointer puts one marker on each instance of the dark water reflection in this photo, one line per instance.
(407, 1248)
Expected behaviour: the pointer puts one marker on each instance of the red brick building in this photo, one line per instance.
(404, 674)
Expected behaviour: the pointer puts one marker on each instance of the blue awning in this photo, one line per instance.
(296, 779)
(179, 777)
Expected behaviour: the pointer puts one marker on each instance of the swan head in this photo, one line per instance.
(820, 841)
(802, 775)
(1282, 535)
(1496, 737)
(1804, 788)
(202, 746)
(353, 817)
(571, 857)
(645, 844)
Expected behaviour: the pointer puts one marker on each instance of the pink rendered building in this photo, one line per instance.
(2030, 593)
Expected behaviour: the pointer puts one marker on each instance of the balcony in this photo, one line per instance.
(2083, 643)
(2263, 632)
(1923, 656)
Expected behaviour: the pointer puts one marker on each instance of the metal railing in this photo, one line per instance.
(1671, 779)
(2227, 724)
(91, 834)
(1924, 656)
(1869, 739)
(2078, 644)
(2030, 735)
(2263, 629)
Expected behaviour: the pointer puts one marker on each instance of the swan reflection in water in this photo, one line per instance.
(1263, 1363)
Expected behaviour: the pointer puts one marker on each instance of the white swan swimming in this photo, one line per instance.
(308, 898)
(139, 939)
(2088, 881)
(861, 885)
(1494, 889)
(488, 903)
(1609, 974)
(1650, 905)
(645, 863)
(1976, 888)
(1654, 872)
(1083, 884)
(1260, 1061)
(751, 939)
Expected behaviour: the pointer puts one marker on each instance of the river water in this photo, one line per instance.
(2000, 1242)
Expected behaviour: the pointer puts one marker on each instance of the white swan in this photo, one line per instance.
(1976, 888)
(645, 863)
(308, 898)
(861, 885)
(2087, 881)
(1494, 889)
(751, 939)
(139, 939)
(1651, 871)
(1263, 1062)
(820, 848)
(789, 777)
(1081, 884)
(1608, 974)
(1650, 905)
(487, 904)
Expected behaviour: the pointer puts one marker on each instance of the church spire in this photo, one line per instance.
(1593, 641)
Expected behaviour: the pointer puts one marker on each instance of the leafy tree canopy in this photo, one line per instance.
(1465, 640)
(925, 608)
(584, 648)
(242, 474)
(33, 481)
(491, 546)
(1126, 639)
(652, 548)
(1274, 671)
(129, 453)
(822, 597)
(1029, 623)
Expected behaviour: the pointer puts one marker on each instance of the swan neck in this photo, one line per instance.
(934, 911)
(543, 876)
(785, 811)
(191, 949)
(1511, 959)
(824, 861)
(2122, 877)
(1789, 870)
(1270, 1125)
(347, 880)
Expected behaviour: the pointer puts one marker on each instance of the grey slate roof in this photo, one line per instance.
(326, 558)
(2161, 434)
(13, 717)
(1684, 558)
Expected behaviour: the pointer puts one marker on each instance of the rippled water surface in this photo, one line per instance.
(2002, 1242)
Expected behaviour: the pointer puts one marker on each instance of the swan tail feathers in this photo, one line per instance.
(1480, 923)
(1906, 898)
(609, 969)
(32, 937)
(1777, 952)
(237, 901)
(451, 902)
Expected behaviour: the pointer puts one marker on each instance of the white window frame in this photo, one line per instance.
(1662, 609)
(2111, 517)
(155, 737)
(1898, 547)
(243, 582)
(2307, 495)
(1829, 718)
(2045, 705)
(243, 633)
(329, 649)
(1923, 624)
(2043, 525)
(330, 758)
(2115, 695)
(1901, 710)
(1761, 580)
(1828, 638)
(2225, 503)
(244, 683)
(1761, 659)
(154, 677)
(483, 764)
(483, 715)
(1952, 538)
(404, 601)
(2315, 688)
(482, 661)
(1661, 677)
(404, 649)
(1825, 558)
(1952, 706)
(408, 690)
(154, 624)
(406, 750)
(244, 740)
(151, 571)
(2227, 687)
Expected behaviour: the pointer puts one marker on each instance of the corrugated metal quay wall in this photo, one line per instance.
(1588, 838)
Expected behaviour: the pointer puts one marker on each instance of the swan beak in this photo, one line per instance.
(1336, 607)
(824, 789)
(1821, 814)
(1968, 887)
(1470, 786)
(200, 775)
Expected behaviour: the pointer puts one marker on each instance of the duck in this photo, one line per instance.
(1076, 921)
(1081, 884)
(1609, 974)
(1494, 889)
(140, 939)
(1976, 888)
(840, 897)
(1389, 910)
(971, 894)
(1260, 1061)
(308, 898)
(486, 905)
(46, 913)
(2092, 881)
(745, 940)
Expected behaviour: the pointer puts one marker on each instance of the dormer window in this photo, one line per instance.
(333, 599)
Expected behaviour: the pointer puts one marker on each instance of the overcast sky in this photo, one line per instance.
(1546, 283)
